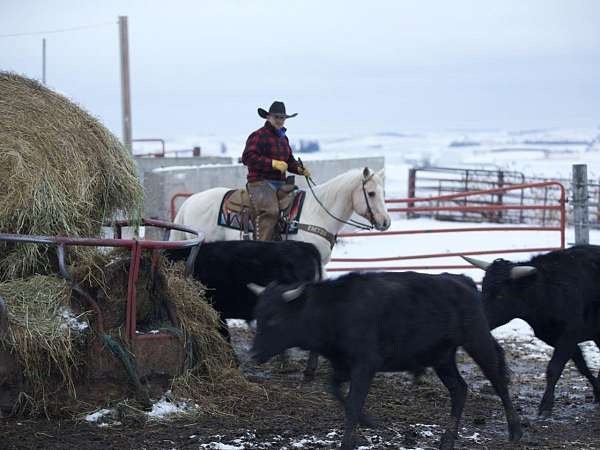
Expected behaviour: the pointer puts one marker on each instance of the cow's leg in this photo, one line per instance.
(283, 359)
(583, 368)
(447, 371)
(338, 377)
(489, 356)
(562, 353)
(224, 332)
(311, 366)
(597, 341)
(360, 380)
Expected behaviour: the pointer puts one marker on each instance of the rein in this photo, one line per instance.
(351, 222)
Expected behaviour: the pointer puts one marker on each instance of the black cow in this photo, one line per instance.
(558, 294)
(365, 323)
(226, 267)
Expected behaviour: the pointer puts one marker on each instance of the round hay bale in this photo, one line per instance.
(61, 173)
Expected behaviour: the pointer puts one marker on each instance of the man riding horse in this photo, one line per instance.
(268, 156)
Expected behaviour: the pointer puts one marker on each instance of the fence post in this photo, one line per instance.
(412, 190)
(500, 195)
(580, 204)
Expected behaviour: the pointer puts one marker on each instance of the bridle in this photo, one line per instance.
(352, 222)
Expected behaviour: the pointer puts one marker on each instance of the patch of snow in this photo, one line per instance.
(221, 446)
(95, 417)
(310, 441)
(72, 321)
(166, 407)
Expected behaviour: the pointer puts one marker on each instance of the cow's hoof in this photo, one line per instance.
(544, 413)
(309, 375)
(447, 441)
(515, 433)
(367, 421)
(347, 444)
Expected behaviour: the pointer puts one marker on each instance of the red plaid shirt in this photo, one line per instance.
(262, 147)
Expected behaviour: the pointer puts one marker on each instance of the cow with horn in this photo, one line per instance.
(558, 295)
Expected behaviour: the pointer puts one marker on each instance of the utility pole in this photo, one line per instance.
(125, 90)
(44, 61)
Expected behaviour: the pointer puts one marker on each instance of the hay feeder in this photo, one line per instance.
(112, 370)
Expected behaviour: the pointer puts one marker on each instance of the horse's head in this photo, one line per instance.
(368, 200)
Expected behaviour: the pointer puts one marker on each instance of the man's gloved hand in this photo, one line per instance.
(304, 171)
(279, 165)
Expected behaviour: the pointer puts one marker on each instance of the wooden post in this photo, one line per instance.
(412, 189)
(44, 61)
(125, 90)
(580, 204)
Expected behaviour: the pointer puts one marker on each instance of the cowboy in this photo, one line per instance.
(268, 156)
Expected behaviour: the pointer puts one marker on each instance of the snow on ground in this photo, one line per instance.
(248, 440)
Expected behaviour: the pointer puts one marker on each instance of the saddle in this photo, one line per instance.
(236, 211)
(239, 199)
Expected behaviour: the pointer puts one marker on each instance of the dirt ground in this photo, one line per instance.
(409, 415)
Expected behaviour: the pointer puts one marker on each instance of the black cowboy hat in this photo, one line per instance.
(276, 109)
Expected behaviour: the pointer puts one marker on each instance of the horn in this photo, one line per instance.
(256, 288)
(293, 294)
(521, 271)
(477, 262)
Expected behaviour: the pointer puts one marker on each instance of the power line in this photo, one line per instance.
(63, 30)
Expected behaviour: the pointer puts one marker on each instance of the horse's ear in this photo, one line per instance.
(381, 173)
(366, 172)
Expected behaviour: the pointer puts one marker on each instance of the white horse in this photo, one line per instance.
(356, 191)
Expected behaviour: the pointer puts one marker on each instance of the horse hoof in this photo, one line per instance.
(447, 441)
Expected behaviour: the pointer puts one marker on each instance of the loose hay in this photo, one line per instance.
(213, 381)
(61, 173)
(52, 354)
(41, 336)
(106, 277)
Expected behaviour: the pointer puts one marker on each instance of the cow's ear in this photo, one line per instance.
(521, 271)
(293, 294)
(256, 288)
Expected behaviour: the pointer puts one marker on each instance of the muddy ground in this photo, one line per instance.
(409, 415)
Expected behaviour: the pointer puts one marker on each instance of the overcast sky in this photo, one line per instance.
(203, 67)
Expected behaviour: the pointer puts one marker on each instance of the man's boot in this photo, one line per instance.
(265, 209)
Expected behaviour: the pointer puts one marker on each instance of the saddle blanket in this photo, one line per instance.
(234, 218)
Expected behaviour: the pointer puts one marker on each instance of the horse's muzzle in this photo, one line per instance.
(384, 225)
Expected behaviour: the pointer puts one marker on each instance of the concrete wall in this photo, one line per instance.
(145, 165)
(160, 184)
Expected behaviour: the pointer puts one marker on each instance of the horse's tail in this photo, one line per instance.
(177, 235)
